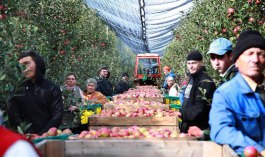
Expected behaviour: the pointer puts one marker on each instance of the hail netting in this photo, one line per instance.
(144, 25)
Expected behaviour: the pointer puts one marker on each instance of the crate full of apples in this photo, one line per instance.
(130, 132)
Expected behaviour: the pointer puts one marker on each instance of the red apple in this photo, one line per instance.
(62, 52)
(67, 131)
(93, 132)
(63, 31)
(124, 133)
(83, 134)
(2, 16)
(66, 42)
(236, 29)
(73, 48)
(182, 135)
(102, 44)
(45, 134)
(115, 129)
(104, 132)
(33, 136)
(224, 30)
(258, 2)
(52, 131)
(251, 19)
(251, 151)
(59, 132)
(19, 46)
(230, 11)
(250, 1)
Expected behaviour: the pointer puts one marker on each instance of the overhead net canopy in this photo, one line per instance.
(144, 25)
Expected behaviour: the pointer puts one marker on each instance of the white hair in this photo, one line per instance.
(170, 78)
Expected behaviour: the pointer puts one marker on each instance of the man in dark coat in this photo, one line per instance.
(221, 55)
(122, 85)
(104, 86)
(197, 95)
(36, 101)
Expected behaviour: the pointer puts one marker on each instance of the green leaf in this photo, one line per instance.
(20, 130)
(2, 77)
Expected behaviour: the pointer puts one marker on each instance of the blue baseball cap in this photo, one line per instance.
(220, 46)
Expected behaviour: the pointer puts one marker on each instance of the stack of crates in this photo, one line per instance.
(173, 101)
(88, 111)
(95, 108)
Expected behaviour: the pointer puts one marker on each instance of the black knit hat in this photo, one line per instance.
(125, 74)
(246, 40)
(194, 55)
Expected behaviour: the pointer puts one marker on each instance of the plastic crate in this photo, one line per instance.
(96, 108)
(174, 107)
(171, 100)
(88, 111)
(109, 98)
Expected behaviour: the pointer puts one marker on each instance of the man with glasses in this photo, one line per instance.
(72, 96)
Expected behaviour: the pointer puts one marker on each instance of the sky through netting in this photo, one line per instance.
(144, 25)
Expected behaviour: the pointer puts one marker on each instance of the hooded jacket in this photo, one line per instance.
(104, 86)
(38, 103)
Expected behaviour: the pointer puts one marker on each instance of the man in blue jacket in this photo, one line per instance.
(237, 116)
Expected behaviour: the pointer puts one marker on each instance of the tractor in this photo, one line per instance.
(147, 69)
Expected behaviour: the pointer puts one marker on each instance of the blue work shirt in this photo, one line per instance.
(237, 116)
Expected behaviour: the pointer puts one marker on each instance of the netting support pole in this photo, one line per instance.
(142, 16)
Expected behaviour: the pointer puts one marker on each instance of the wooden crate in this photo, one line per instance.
(133, 148)
(170, 123)
(129, 121)
(51, 148)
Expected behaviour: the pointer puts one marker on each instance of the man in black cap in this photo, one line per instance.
(123, 84)
(237, 116)
(197, 95)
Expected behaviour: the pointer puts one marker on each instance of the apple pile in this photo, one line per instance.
(135, 102)
(139, 112)
(146, 87)
(140, 93)
(51, 132)
(131, 132)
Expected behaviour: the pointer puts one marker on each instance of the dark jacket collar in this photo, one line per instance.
(200, 71)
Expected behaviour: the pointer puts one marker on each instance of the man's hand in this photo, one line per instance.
(178, 114)
(73, 108)
(262, 153)
(195, 131)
